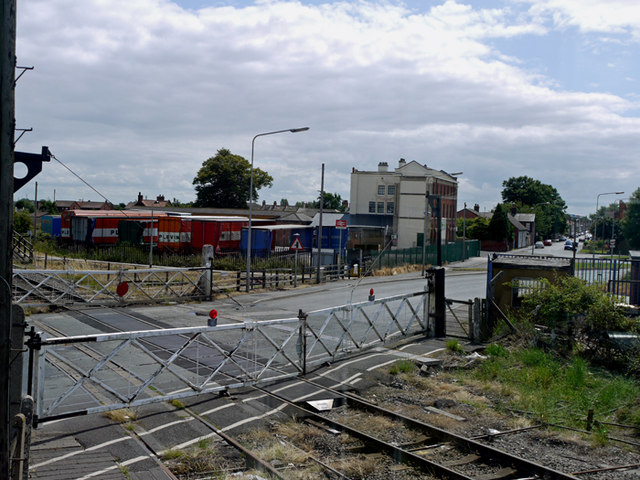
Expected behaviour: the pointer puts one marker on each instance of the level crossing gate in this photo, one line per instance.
(104, 371)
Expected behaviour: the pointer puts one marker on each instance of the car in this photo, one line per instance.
(563, 238)
(539, 244)
(569, 245)
(547, 242)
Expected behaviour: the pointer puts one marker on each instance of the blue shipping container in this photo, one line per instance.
(51, 224)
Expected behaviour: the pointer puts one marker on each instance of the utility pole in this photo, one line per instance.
(320, 225)
(7, 125)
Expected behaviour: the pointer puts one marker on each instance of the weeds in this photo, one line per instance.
(402, 366)
(454, 346)
(557, 390)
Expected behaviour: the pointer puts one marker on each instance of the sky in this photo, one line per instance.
(133, 96)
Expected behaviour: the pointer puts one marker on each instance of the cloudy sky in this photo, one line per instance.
(133, 95)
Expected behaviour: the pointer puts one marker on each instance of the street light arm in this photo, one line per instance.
(253, 141)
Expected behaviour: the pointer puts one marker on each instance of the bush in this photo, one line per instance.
(582, 314)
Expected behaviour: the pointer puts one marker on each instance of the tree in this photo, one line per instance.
(25, 204)
(48, 206)
(500, 227)
(223, 181)
(22, 222)
(631, 223)
(527, 193)
(331, 201)
(478, 228)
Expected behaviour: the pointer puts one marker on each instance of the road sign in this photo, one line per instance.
(341, 224)
(296, 244)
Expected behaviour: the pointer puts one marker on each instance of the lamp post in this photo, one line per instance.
(533, 240)
(291, 130)
(151, 236)
(595, 218)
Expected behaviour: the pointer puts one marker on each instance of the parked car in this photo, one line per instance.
(547, 242)
(539, 244)
(563, 238)
(569, 245)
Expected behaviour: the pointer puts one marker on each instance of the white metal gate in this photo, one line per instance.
(88, 374)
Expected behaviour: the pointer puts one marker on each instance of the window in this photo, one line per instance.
(391, 190)
(381, 189)
(390, 207)
(380, 207)
(372, 207)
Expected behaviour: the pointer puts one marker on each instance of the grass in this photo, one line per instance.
(402, 366)
(454, 346)
(556, 390)
(124, 415)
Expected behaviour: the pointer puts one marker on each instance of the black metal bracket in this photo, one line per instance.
(33, 161)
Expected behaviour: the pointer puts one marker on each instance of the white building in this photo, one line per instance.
(390, 205)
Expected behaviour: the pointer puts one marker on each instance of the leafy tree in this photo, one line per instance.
(478, 228)
(527, 193)
(631, 223)
(48, 206)
(223, 181)
(25, 204)
(500, 227)
(22, 222)
(332, 201)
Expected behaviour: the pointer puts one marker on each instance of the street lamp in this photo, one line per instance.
(595, 217)
(533, 240)
(291, 130)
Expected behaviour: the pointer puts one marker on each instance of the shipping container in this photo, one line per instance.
(52, 225)
(266, 239)
(174, 234)
(223, 233)
(130, 231)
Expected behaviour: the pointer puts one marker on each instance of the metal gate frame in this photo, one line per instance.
(95, 373)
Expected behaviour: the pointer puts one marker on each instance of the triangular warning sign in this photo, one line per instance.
(297, 244)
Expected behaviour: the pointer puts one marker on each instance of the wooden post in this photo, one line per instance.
(7, 125)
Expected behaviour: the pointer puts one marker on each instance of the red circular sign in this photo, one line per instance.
(213, 314)
(122, 289)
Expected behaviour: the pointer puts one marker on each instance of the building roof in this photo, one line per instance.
(525, 217)
(532, 262)
(517, 225)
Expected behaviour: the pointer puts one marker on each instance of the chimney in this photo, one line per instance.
(140, 198)
(383, 167)
(160, 198)
(476, 208)
(514, 210)
(264, 203)
(402, 163)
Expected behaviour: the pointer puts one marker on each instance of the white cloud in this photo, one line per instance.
(136, 94)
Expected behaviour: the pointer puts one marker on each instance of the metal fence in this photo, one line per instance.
(451, 252)
(58, 287)
(100, 372)
(613, 275)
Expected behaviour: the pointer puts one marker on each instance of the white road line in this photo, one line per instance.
(78, 452)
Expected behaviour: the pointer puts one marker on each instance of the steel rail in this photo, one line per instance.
(468, 443)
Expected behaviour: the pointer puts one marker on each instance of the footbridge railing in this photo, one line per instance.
(106, 371)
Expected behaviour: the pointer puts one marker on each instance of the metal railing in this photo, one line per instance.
(613, 275)
(56, 287)
(451, 252)
(21, 248)
(100, 372)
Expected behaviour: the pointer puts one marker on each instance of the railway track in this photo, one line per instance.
(423, 449)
